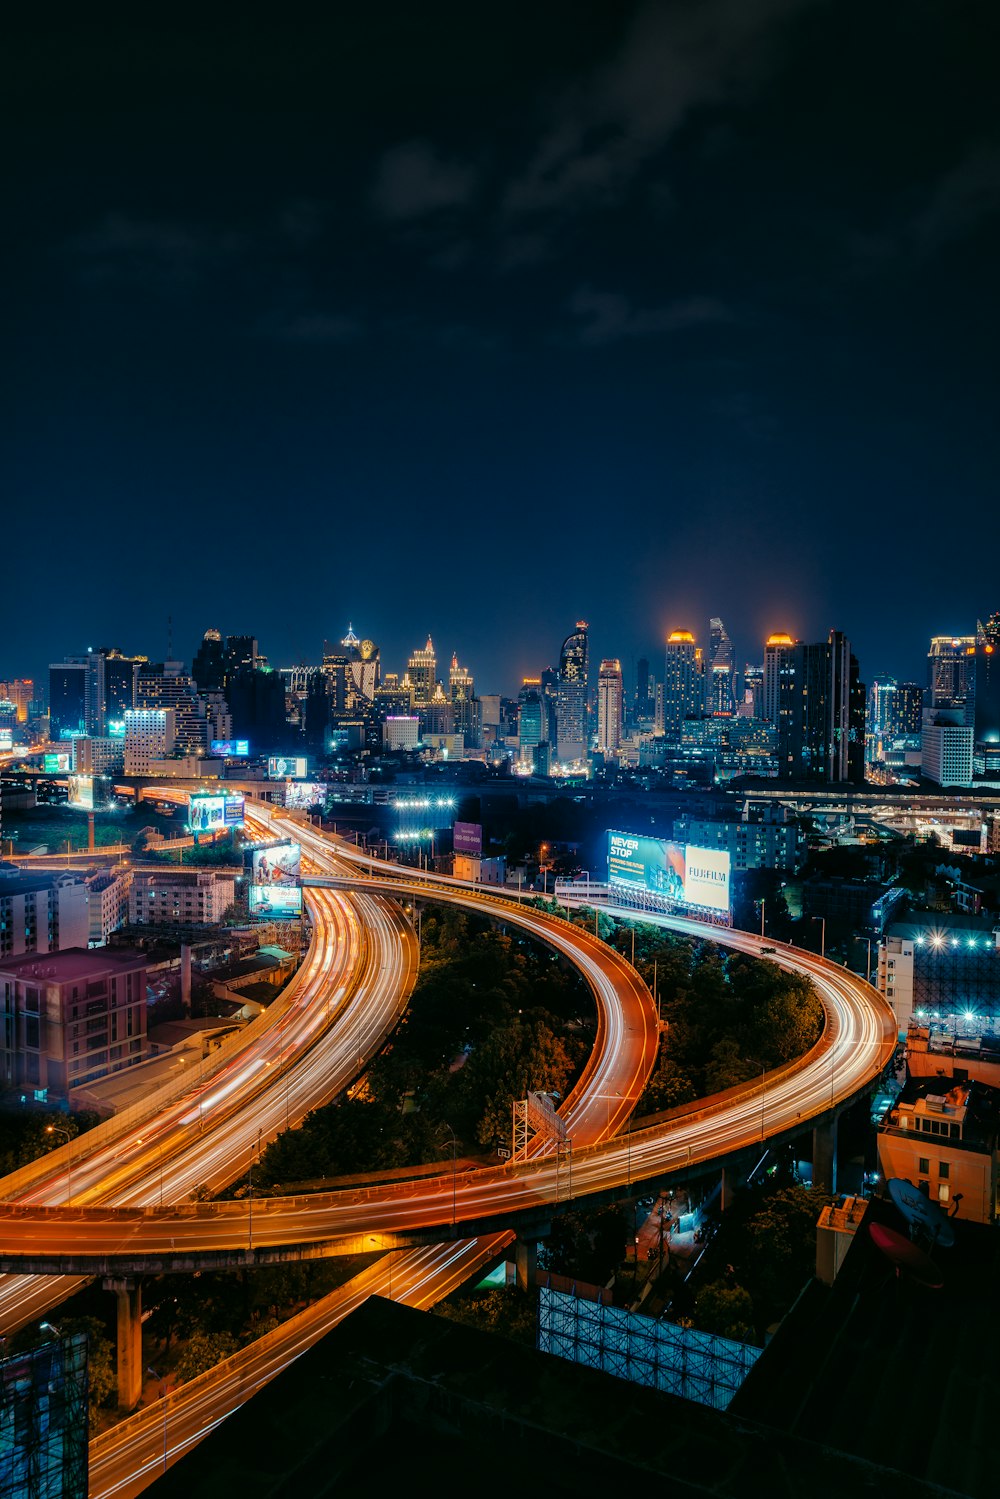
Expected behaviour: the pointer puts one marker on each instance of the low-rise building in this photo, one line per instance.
(751, 844)
(41, 912)
(942, 1136)
(180, 897)
(71, 1017)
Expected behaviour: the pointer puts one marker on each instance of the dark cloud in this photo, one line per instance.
(606, 317)
(314, 328)
(961, 200)
(414, 181)
(147, 250)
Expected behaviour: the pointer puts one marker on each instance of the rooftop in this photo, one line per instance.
(73, 963)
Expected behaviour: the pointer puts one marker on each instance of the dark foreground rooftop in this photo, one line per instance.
(396, 1401)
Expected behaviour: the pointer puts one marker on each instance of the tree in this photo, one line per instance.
(203, 1351)
(724, 1308)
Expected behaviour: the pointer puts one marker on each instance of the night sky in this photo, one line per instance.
(478, 319)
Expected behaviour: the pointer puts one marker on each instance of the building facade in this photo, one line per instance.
(41, 913)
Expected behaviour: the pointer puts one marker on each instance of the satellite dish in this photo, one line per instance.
(920, 1213)
(906, 1256)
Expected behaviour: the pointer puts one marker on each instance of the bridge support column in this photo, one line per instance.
(526, 1257)
(129, 1363)
(824, 1157)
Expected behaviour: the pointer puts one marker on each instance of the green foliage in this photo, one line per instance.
(588, 1244)
(781, 1241)
(24, 1137)
(728, 1017)
(725, 1309)
(523, 1055)
(203, 1350)
(502, 1310)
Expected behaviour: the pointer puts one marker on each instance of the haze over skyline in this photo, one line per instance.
(477, 323)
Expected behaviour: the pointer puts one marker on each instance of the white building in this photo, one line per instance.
(401, 731)
(946, 748)
(41, 913)
(97, 756)
(180, 897)
(149, 736)
(609, 708)
(107, 904)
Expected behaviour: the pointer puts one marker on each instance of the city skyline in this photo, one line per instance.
(671, 310)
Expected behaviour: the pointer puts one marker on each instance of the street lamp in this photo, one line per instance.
(55, 1129)
(822, 934)
(163, 1397)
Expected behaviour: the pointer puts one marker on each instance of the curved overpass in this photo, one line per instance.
(857, 1042)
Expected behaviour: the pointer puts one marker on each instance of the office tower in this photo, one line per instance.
(121, 676)
(256, 698)
(165, 684)
(642, 703)
(947, 747)
(752, 702)
(149, 736)
(828, 723)
(951, 663)
(609, 707)
(779, 651)
(209, 665)
(682, 684)
(422, 672)
(462, 689)
(437, 716)
(529, 718)
(720, 673)
(68, 695)
(362, 670)
(986, 712)
(241, 654)
(20, 691)
(880, 723)
(571, 695)
(909, 709)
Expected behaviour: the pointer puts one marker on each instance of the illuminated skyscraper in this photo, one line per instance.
(571, 696)
(682, 682)
(951, 663)
(609, 707)
(986, 718)
(422, 672)
(530, 718)
(828, 723)
(721, 669)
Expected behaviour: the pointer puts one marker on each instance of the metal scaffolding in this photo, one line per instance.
(695, 1365)
(533, 1116)
(43, 1421)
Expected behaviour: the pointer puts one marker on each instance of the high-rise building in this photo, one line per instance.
(781, 687)
(951, 663)
(986, 716)
(828, 724)
(947, 744)
(682, 682)
(609, 707)
(362, 671)
(467, 717)
(20, 691)
(529, 718)
(165, 684)
(120, 683)
(643, 706)
(209, 665)
(752, 701)
(69, 684)
(880, 723)
(909, 708)
(721, 672)
(422, 672)
(241, 654)
(149, 736)
(571, 695)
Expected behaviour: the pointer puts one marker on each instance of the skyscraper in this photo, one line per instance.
(986, 713)
(209, 665)
(780, 691)
(571, 698)
(828, 725)
(529, 718)
(721, 669)
(609, 707)
(951, 663)
(422, 672)
(682, 684)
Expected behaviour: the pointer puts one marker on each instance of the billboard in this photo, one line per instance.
(468, 838)
(685, 875)
(231, 749)
(81, 792)
(212, 811)
(281, 766)
(275, 875)
(54, 765)
(6, 739)
(305, 794)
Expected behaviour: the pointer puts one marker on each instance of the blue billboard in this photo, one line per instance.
(231, 749)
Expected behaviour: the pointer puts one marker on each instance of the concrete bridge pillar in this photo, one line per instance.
(526, 1257)
(824, 1156)
(129, 1363)
(727, 1188)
